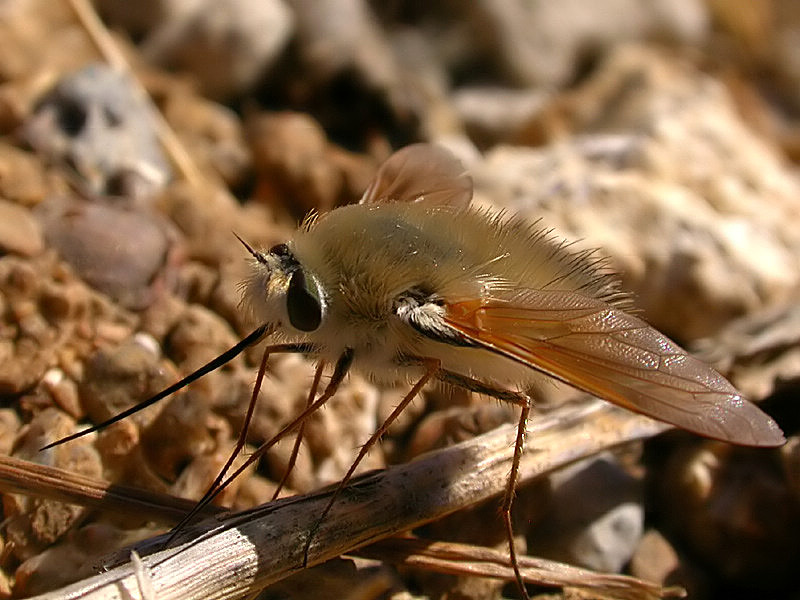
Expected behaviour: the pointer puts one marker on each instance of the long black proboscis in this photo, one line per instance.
(251, 339)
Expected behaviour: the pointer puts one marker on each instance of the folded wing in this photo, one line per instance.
(615, 356)
(421, 173)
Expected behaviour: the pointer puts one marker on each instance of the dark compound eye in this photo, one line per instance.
(303, 302)
(281, 250)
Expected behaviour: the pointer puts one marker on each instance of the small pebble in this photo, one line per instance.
(97, 122)
(117, 251)
(655, 559)
(227, 46)
(64, 393)
(734, 509)
(597, 516)
(19, 232)
(119, 377)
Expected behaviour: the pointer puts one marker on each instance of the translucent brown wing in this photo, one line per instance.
(421, 173)
(615, 356)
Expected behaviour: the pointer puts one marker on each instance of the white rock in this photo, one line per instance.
(227, 46)
(663, 176)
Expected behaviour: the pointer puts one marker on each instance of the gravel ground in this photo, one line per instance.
(663, 134)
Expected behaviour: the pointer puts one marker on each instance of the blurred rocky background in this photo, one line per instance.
(664, 133)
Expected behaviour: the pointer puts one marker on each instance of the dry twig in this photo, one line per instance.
(108, 49)
(41, 481)
(237, 555)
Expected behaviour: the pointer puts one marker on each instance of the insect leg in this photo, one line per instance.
(339, 372)
(524, 401)
(432, 366)
(475, 385)
(215, 488)
(299, 438)
(511, 486)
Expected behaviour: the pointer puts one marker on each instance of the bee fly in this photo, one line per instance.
(414, 284)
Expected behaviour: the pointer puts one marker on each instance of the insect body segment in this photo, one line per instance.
(492, 299)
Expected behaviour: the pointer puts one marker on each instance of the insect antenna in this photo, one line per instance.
(251, 339)
(254, 253)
